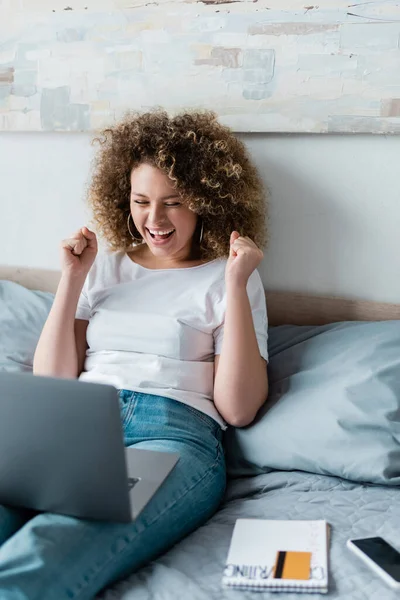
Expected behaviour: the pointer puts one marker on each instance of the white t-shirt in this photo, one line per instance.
(157, 330)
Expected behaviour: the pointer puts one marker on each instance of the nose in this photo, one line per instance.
(156, 215)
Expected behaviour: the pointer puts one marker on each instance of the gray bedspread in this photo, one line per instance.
(192, 570)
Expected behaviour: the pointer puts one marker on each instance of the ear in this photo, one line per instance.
(234, 236)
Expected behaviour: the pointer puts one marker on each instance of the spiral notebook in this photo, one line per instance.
(279, 556)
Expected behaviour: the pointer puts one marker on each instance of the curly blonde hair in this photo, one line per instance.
(207, 164)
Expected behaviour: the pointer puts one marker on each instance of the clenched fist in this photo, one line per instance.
(244, 258)
(78, 253)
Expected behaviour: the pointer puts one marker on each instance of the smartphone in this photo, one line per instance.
(380, 556)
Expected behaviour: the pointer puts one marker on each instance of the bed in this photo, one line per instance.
(358, 496)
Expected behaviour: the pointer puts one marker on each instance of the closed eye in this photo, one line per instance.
(168, 205)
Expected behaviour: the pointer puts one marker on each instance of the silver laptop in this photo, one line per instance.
(62, 450)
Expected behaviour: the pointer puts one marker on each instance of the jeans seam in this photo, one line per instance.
(189, 489)
(197, 413)
(204, 418)
(130, 409)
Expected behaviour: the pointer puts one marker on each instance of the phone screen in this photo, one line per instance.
(382, 553)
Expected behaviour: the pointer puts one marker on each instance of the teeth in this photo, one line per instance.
(152, 231)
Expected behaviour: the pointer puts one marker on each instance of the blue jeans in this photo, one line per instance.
(47, 556)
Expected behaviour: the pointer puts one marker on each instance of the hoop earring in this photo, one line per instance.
(135, 239)
(201, 232)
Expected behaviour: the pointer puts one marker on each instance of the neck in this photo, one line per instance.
(147, 258)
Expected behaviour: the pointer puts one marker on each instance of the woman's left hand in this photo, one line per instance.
(244, 257)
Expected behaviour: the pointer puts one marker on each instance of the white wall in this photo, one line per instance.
(334, 212)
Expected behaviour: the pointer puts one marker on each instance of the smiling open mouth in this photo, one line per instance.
(161, 235)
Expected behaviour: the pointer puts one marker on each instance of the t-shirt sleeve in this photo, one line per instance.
(256, 294)
(83, 308)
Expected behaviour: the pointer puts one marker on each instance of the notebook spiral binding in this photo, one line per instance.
(271, 587)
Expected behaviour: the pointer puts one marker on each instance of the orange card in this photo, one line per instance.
(292, 565)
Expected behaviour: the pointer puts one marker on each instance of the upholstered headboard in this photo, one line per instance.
(33, 279)
(283, 307)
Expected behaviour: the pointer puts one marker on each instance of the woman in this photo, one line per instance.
(173, 315)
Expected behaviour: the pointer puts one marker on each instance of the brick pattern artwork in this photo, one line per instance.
(262, 65)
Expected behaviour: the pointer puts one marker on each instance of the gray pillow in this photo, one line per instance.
(22, 315)
(333, 407)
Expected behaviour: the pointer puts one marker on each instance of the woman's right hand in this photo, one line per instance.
(78, 253)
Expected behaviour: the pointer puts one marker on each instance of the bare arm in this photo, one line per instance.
(241, 380)
(62, 345)
(80, 342)
(240, 373)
